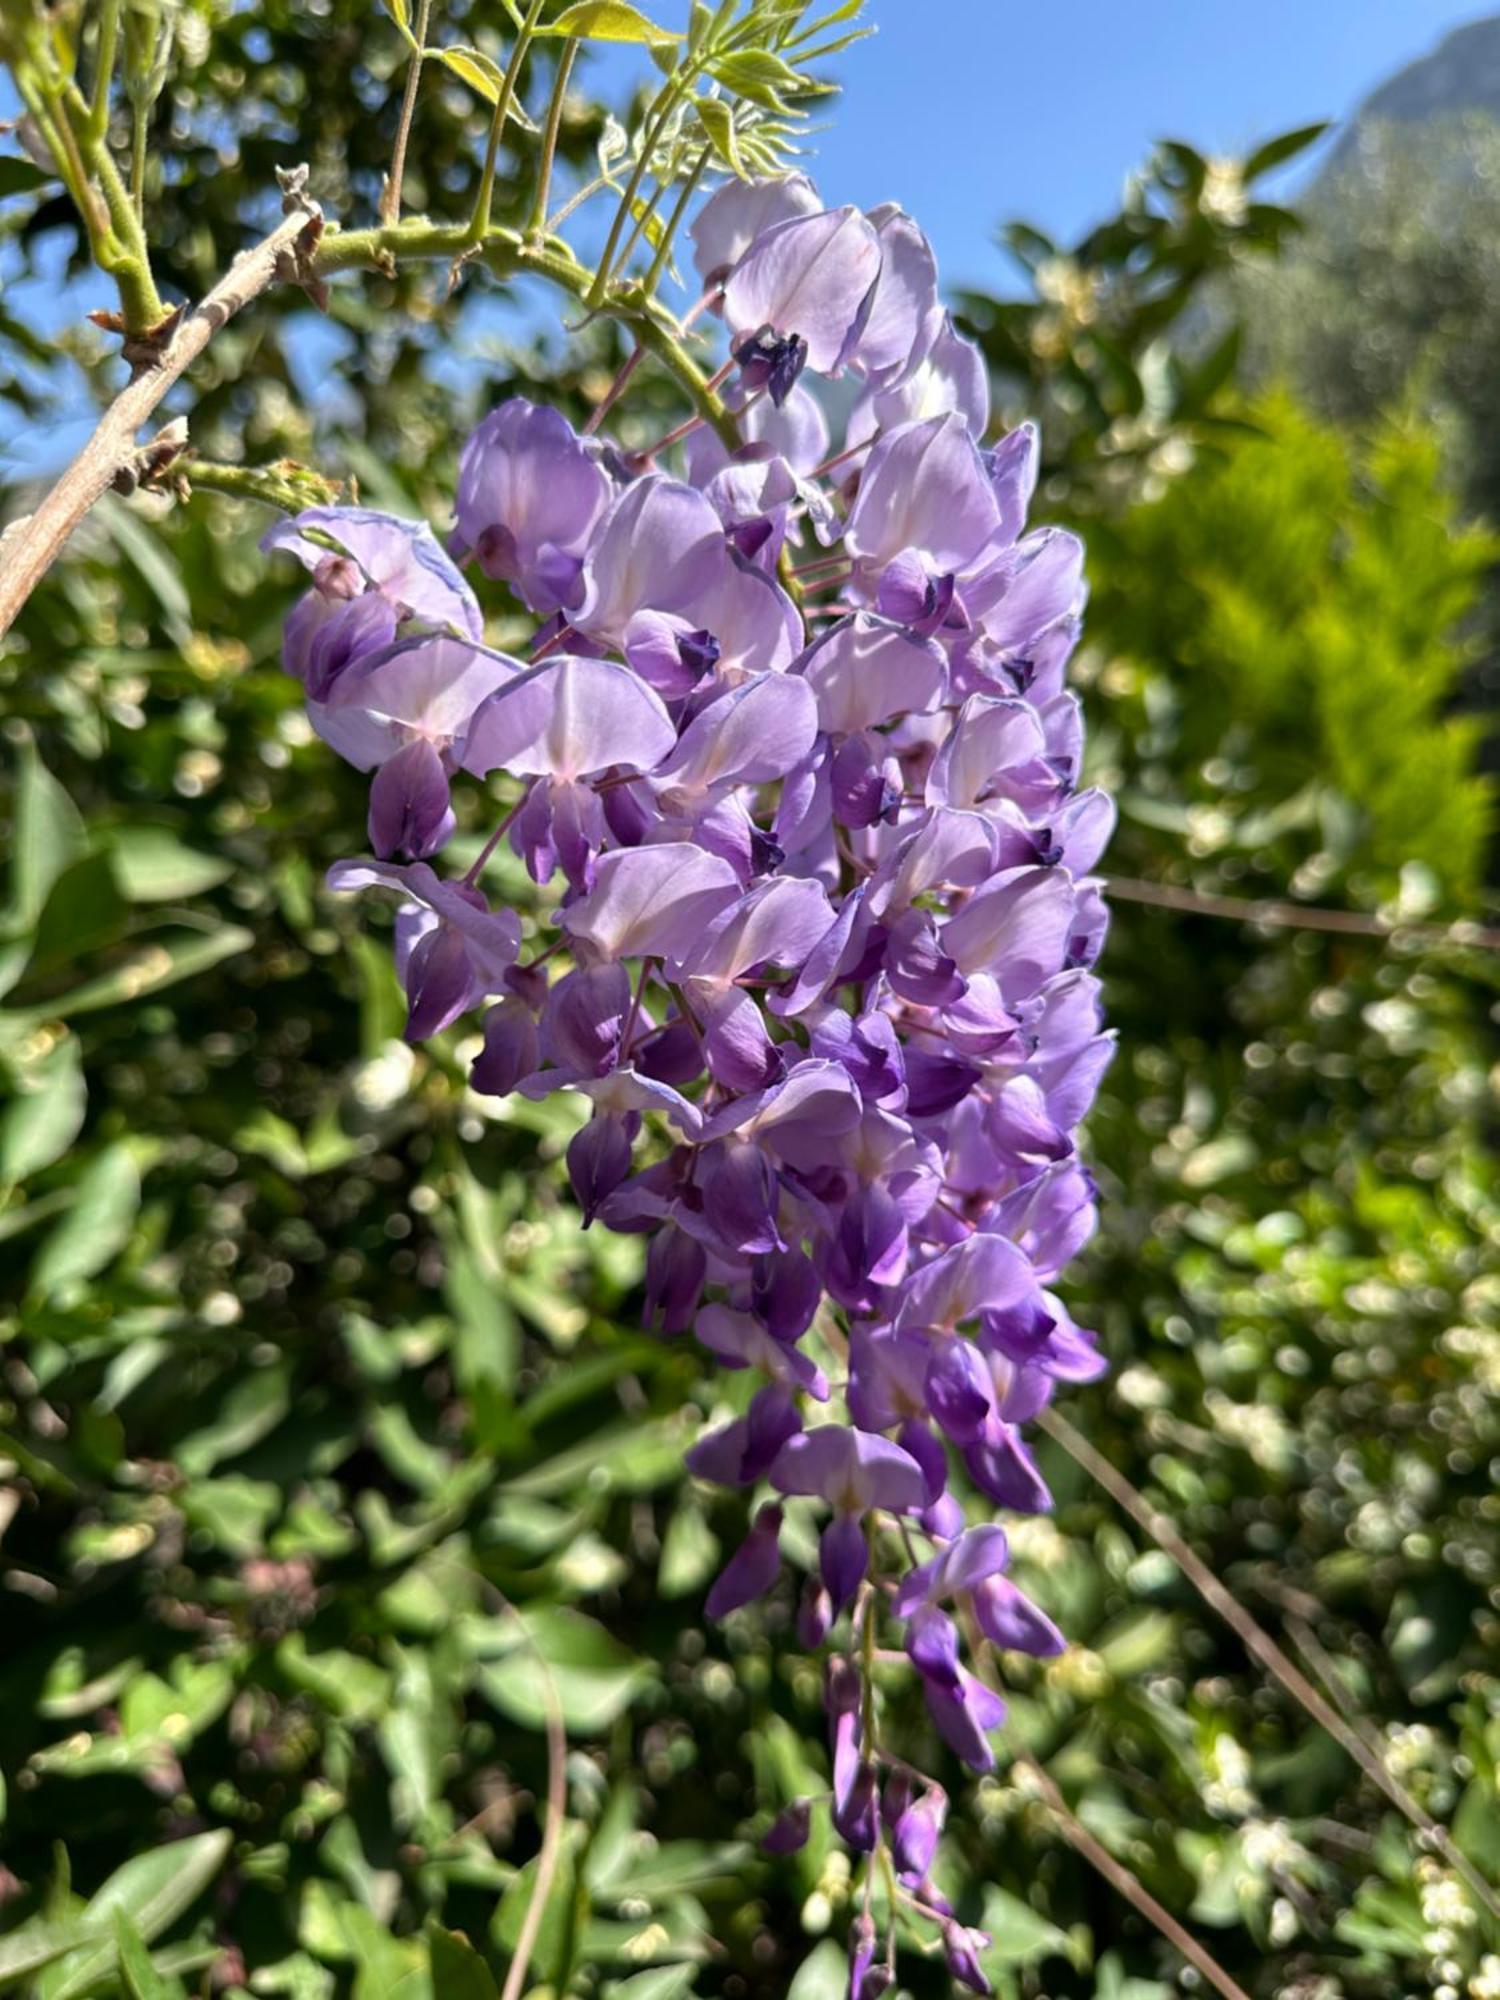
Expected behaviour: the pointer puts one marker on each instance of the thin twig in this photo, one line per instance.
(1296, 916)
(32, 543)
(1129, 1886)
(550, 1851)
(1262, 1647)
(390, 194)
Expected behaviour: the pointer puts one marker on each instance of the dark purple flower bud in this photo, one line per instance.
(411, 815)
(771, 361)
(865, 783)
(914, 1437)
(870, 1248)
(1007, 1616)
(862, 1943)
(857, 1816)
(916, 1832)
(740, 1198)
(773, 1417)
(789, 1830)
(909, 595)
(843, 1558)
(958, 1388)
(785, 1292)
(871, 1052)
(935, 1083)
(672, 1054)
(963, 1716)
(598, 1160)
(932, 1643)
(1002, 1467)
(676, 1266)
(943, 1519)
(512, 1049)
(751, 1570)
(814, 1616)
(584, 1018)
(439, 983)
(961, 1949)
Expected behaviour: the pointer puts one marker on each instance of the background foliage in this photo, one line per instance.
(335, 1465)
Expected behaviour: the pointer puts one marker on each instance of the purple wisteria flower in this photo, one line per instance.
(790, 754)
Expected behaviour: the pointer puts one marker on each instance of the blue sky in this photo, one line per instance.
(973, 111)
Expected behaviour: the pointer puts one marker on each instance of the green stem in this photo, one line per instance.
(104, 69)
(390, 197)
(538, 225)
(664, 249)
(505, 253)
(481, 222)
(288, 488)
(655, 121)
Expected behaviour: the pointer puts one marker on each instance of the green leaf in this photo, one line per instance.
(1275, 152)
(147, 970)
(97, 1226)
(758, 75)
(594, 1677)
(152, 865)
(479, 71)
(45, 1116)
(18, 176)
(458, 1972)
(49, 836)
(608, 21)
(1020, 1936)
(717, 120)
(822, 1975)
(400, 13)
(664, 1982)
(153, 1889)
(36, 1944)
(253, 1407)
(142, 1980)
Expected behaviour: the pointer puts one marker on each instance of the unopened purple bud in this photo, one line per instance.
(814, 1616)
(961, 1949)
(932, 1642)
(958, 1389)
(857, 1815)
(944, 1518)
(789, 1830)
(512, 1049)
(772, 1418)
(411, 815)
(865, 783)
(751, 1570)
(915, 1438)
(843, 1690)
(786, 1292)
(916, 1833)
(676, 1266)
(598, 1160)
(843, 1557)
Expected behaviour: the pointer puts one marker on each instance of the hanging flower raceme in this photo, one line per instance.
(794, 758)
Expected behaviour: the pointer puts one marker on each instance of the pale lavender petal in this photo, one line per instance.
(923, 490)
(865, 672)
(651, 902)
(731, 219)
(1019, 928)
(748, 737)
(810, 276)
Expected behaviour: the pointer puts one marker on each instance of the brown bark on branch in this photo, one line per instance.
(31, 544)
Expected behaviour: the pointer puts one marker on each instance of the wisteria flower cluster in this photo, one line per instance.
(792, 752)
